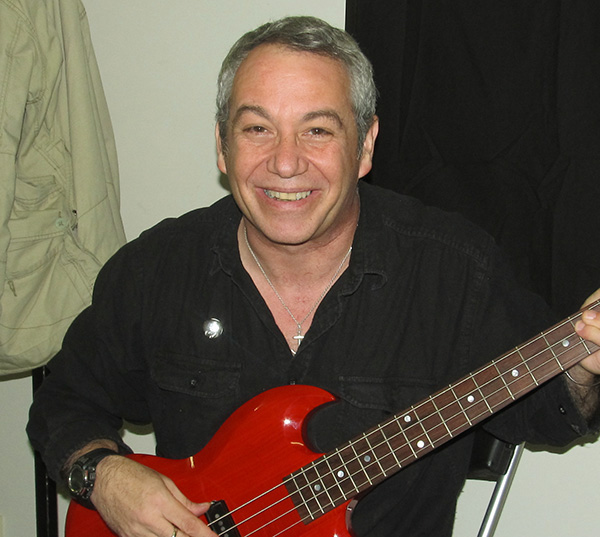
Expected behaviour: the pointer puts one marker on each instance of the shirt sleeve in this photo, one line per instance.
(97, 378)
(509, 314)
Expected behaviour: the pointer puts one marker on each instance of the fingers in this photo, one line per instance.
(136, 501)
(184, 517)
(589, 329)
(588, 326)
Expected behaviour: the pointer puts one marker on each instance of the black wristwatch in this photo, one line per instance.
(82, 475)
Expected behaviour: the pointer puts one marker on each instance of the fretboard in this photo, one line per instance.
(383, 450)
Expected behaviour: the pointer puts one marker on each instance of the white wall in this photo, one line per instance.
(159, 62)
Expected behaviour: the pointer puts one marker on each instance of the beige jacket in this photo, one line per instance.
(59, 189)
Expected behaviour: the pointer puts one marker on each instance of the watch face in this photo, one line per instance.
(76, 480)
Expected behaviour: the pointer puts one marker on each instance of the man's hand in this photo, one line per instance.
(136, 501)
(588, 327)
(584, 378)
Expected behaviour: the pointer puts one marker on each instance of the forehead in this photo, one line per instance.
(277, 75)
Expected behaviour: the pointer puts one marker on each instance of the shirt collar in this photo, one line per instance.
(367, 258)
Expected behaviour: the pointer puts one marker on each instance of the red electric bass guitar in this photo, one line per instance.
(266, 482)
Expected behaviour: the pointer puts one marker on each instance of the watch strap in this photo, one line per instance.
(87, 463)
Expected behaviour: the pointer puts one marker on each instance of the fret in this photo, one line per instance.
(368, 458)
(360, 458)
(302, 496)
(378, 456)
(573, 348)
(413, 433)
(515, 374)
(461, 408)
(585, 345)
(431, 421)
(316, 487)
(344, 472)
(492, 388)
(554, 355)
(468, 395)
(386, 442)
(450, 411)
(540, 358)
(564, 342)
(404, 422)
(501, 377)
(481, 392)
(334, 478)
(527, 366)
(391, 432)
(439, 413)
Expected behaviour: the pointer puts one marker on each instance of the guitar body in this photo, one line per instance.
(246, 461)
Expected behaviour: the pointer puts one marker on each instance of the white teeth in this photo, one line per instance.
(287, 196)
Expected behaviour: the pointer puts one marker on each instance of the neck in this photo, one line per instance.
(299, 264)
(293, 280)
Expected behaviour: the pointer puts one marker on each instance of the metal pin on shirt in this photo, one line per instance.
(213, 328)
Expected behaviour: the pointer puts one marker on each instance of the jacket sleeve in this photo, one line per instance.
(20, 84)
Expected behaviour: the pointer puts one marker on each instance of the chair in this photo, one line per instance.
(494, 460)
(46, 503)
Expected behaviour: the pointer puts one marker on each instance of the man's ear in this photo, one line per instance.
(221, 162)
(368, 149)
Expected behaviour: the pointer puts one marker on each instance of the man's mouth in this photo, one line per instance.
(287, 196)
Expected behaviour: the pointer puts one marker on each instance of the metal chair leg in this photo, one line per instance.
(46, 503)
(498, 499)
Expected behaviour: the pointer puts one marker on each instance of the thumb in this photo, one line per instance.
(198, 508)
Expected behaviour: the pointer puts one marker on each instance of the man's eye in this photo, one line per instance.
(318, 131)
(255, 129)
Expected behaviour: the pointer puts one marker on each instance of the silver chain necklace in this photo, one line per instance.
(299, 336)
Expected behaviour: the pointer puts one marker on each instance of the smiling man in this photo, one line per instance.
(291, 152)
(303, 276)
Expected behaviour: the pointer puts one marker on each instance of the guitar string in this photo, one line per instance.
(418, 423)
(555, 356)
(391, 438)
(312, 464)
(337, 484)
(423, 434)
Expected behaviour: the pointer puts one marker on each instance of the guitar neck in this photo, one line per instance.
(385, 449)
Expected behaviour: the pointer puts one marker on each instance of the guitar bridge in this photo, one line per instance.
(220, 520)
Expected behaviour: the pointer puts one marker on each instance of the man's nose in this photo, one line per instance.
(287, 159)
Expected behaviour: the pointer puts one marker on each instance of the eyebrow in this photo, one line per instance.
(327, 114)
(316, 114)
(254, 109)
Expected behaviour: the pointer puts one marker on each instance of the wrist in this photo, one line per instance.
(81, 476)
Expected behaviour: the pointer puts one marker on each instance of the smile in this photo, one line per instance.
(287, 196)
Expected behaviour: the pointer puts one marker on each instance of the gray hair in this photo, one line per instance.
(307, 34)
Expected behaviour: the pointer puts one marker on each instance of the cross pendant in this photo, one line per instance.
(299, 337)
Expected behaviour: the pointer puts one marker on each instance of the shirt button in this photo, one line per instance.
(562, 410)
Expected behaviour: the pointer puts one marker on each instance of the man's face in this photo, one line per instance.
(292, 154)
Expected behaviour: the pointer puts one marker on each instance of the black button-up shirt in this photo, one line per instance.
(426, 299)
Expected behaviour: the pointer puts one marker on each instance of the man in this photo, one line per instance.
(303, 277)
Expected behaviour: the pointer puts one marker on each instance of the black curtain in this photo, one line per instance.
(492, 108)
